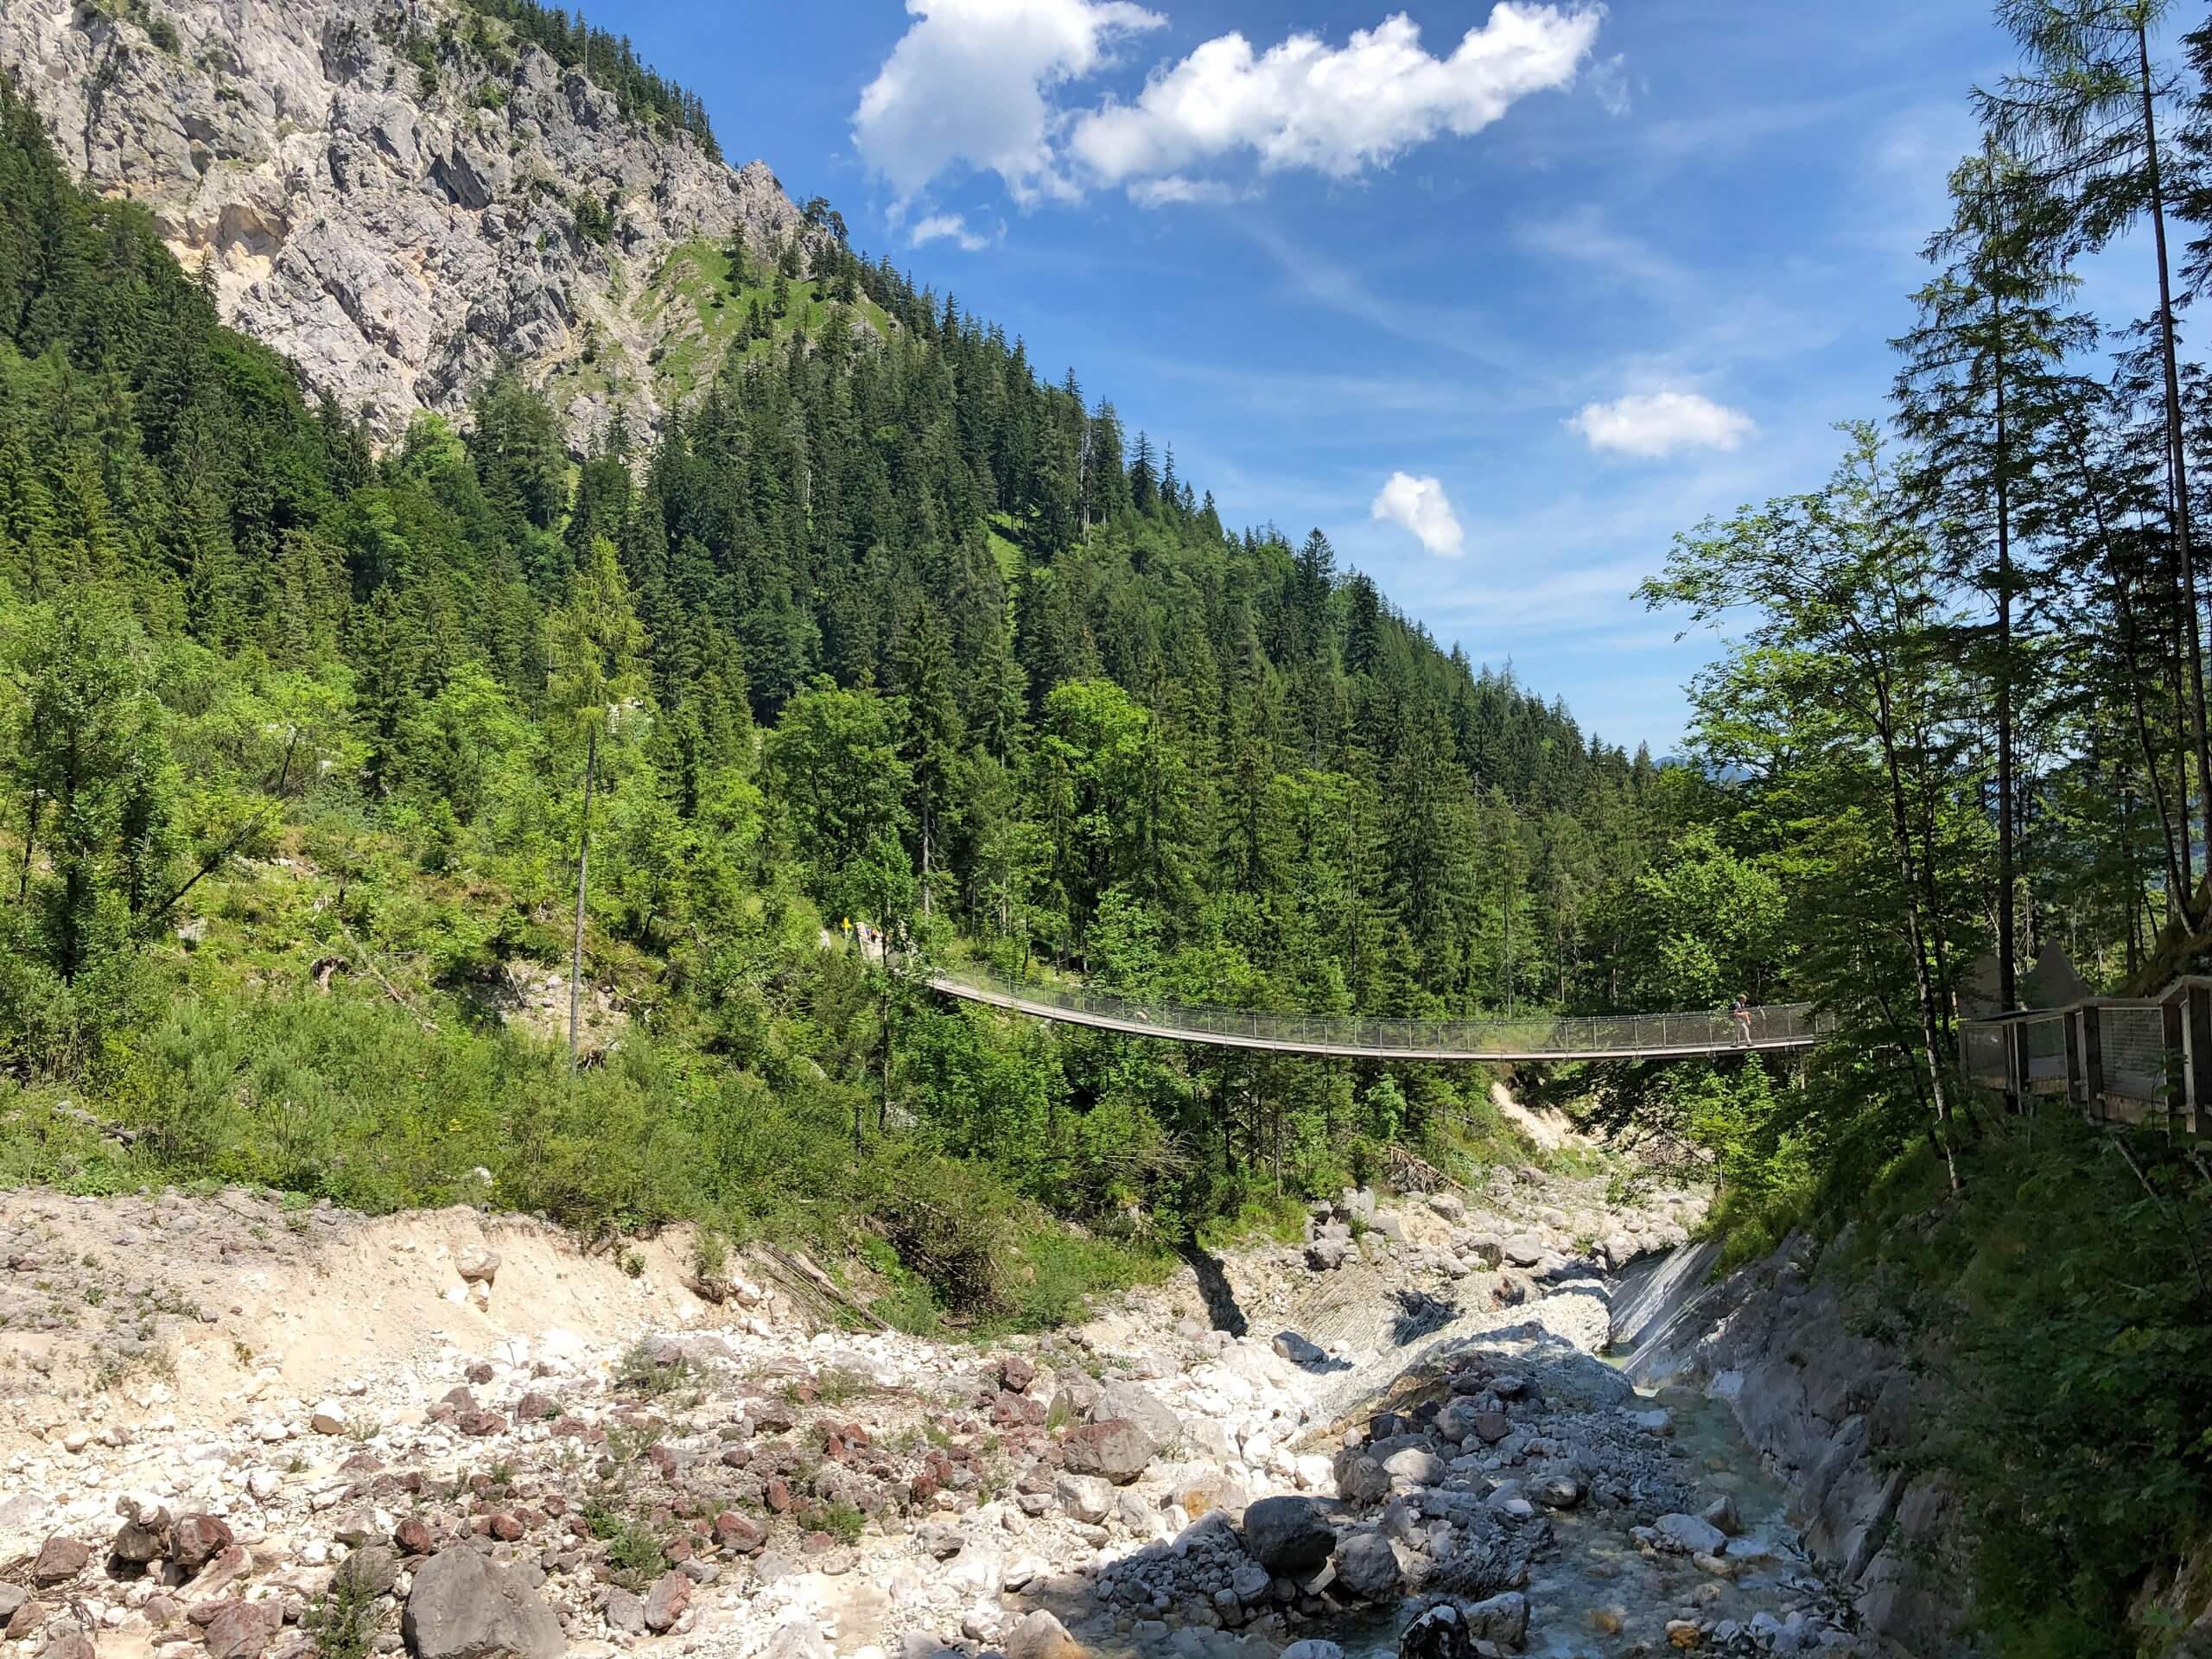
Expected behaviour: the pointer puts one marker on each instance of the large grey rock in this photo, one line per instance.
(1287, 1535)
(1040, 1636)
(1368, 1567)
(1416, 1464)
(1502, 1618)
(1360, 1478)
(1087, 1498)
(1136, 1403)
(372, 1570)
(465, 1605)
(1689, 1536)
(1117, 1449)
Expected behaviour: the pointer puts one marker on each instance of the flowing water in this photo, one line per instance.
(1595, 1594)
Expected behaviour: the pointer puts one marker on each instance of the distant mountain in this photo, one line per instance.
(399, 196)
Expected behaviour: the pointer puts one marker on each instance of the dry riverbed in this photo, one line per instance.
(232, 1428)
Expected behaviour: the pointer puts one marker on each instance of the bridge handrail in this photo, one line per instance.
(1776, 1025)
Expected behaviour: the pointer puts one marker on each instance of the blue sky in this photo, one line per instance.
(1582, 279)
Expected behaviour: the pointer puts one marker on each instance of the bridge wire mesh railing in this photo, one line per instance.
(1982, 1048)
(1774, 1025)
(2046, 1046)
(2131, 1043)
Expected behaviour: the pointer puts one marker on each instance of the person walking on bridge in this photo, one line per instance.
(1740, 1012)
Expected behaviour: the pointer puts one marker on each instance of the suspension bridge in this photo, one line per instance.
(1530, 1037)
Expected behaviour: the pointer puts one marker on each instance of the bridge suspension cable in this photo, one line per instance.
(1536, 1037)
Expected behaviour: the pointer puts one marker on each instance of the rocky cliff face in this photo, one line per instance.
(387, 191)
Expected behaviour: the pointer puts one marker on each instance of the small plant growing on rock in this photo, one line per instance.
(343, 1619)
(840, 1520)
(642, 1371)
(634, 1264)
(634, 1555)
(838, 1386)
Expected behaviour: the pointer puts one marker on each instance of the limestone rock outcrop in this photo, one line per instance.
(390, 196)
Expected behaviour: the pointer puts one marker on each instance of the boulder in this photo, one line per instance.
(1313, 1648)
(625, 1612)
(1686, 1534)
(1212, 1490)
(738, 1533)
(1368, 1567)
(371, 1570)
(1360, 1478)
(476, 1265)
(242, 1629)
(1439, 1633)
(667, 1601)
(137, 1543)
(1040, 1636)
(1016, 1374)
(1086, 1498)
(1453, 1628)
(1555, 1492)
(1450, 1205)
(1523, 1252)
(1116, 1448)
(1327, 1254)
(464, 1605)
(1288, 1536)
(1722, 1513)
(1416, 1464)
(1134, 1402)
(1502, 1619)
(60, 1559)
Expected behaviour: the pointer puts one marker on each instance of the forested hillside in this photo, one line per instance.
(888, 628)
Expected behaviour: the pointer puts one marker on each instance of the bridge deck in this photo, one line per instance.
(1567, 1037)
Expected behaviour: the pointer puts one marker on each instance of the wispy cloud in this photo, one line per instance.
(950, 227)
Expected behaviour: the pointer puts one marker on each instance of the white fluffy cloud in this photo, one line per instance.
(1421, 506)
(948, 227)
(972, 84)
(966, 86)
(1660, 423)
(1336, 109)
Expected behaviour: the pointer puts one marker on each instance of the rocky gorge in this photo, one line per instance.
(1291, 1447)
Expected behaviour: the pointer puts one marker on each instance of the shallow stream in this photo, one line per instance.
(1595, 1594)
